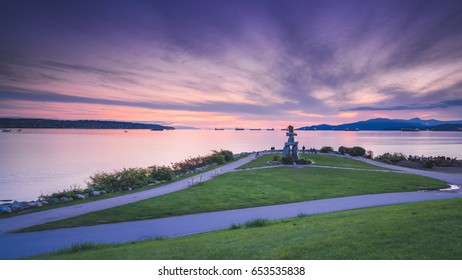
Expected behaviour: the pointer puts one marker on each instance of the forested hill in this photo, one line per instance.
(89, 124)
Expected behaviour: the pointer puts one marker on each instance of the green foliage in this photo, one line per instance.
(391, 158)
(303, 161)
(119, 180)
(326, 149)
(227, 154)
(216, 158)
(355, 151)
(343, 150)
(78, 247)
(160, 173)
(276, 157)
(287, 159)
(71, 192)
(256, 223)
(235, 226)
(428, 164)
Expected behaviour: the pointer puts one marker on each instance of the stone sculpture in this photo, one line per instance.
(291, 146)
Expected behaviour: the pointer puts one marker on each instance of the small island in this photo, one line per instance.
(81, 124)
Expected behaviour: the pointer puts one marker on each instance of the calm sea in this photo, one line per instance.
(35, 161)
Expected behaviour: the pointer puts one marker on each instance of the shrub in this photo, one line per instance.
(326, 149)
(343, 150)
(276, 158)
(227, 154)
(370, 154)
(287, 159)
(303, 161)
(427, 164)
(391, 158)
(357, 151)
(159, 173)
(119, 180)
(71, 192)
(215, 159)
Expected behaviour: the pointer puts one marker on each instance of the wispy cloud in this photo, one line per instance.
(291, 59)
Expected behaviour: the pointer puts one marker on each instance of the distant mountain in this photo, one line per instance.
(88, 124)
(391, 124)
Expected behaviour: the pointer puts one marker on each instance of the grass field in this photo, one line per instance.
(424, 230)
(252, 188)
(317, 159)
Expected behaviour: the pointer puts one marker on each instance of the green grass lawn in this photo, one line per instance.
(424, 230)
(115, 194)
(252, 188)
(318, 159)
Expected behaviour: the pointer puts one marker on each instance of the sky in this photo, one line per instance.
(217, 63)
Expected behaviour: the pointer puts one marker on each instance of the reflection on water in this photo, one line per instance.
(35, 161)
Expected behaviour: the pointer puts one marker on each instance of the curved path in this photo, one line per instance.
(28, 244)
(450, 178)
(27, 220)
(15, 246)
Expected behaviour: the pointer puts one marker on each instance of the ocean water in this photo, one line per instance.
(36, 161)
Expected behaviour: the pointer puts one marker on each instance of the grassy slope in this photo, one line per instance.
(425, 230)
(255, 188)
(110, 195)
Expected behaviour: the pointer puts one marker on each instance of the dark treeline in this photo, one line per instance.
(92, 124)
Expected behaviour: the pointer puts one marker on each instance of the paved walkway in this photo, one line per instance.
(37, 218)
(21, 245)
(450, 178)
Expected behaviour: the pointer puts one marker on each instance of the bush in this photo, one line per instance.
(427, 164)
(326, 149)
(276, 158)
(119, 180)
(214, 159)
(303, 161)
(160, 173)
(370, 154)
(343, 150)
(391, 158)
(227, 154)
(287, 159)
(357, 151)
(71, 192)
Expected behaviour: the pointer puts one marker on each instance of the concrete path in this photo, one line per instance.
(450, 178)
(37, 218)
(21, 245)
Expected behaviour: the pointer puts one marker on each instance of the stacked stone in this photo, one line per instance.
(291, 146)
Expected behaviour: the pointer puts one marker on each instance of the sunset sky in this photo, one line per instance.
(217, 63)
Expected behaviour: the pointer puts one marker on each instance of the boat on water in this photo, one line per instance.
(6, 130)
(410, 129)
(219, 129)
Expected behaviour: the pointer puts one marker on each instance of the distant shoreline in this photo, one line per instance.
(20, 123)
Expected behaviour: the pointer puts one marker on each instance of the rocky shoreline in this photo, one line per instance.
(18, 206)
